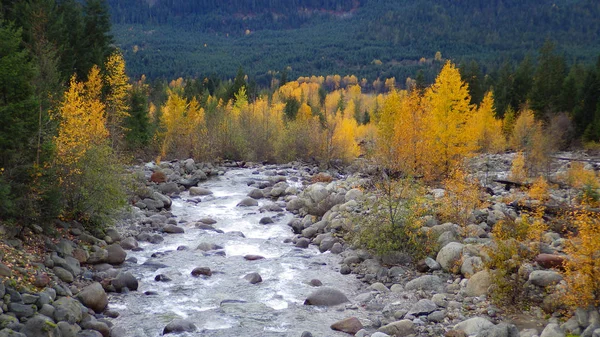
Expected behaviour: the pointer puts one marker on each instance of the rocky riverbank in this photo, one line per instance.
(445, 294)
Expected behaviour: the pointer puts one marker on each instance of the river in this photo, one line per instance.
(225, 304)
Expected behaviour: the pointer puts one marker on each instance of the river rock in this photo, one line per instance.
(158, 177)
(22, 310)
(478, 284)
(11, 333)
(326, 297)
(399, 329)
(68, 330)
(199, 191)
(173, 229)
(125, 280)
(93, 297)
(471, 265)
(256, 194)
(89, 333)
(544, 278)
(208, 246)
(449, 256)
(501, 330)
(349, 325)
(68, 310)
(129, 243)
(423, 307)
(5, 271)
(247, 202)
(253, 278)
(474, 326)
(168, 188)
(426, 282)
(201, 271)
(63, 274)
(40, 326)
(552, 330)
(116, 254)
(266, 220)
(303, 243)
(251, 257)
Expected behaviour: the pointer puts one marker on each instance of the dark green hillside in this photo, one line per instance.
(190, 38)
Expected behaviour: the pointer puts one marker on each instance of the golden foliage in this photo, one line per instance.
(582, 268)
(447, 101)
(488, 130)
(118, 90)
(462, 197)
(81, 119)
(184, 127)
(518, 171)
(540, 190)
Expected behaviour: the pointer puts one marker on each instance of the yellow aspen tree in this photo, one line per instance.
(172, 121)
(386, 122)
(449, 112)
(81, 120)
(118, 90)
(409, 134)
(525, 124)
(487, 129)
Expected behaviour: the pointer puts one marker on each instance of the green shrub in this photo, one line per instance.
(392, 220)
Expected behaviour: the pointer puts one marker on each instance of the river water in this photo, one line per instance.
(225, 304)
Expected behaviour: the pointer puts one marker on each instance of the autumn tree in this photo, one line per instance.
(449, 112)
(90, 178)
(487, 129)
(117, 97)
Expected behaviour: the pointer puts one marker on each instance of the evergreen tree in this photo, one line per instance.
(96, 35)
(547, 83)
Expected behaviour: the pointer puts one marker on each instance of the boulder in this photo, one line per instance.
(68, 309)
(247, 202)
(41, 326)
(168, 188)
(426, 282)
(179, 325)
(125, 280)
(399, 329)
(423, 307)
(256, 194)
(548, 261)
(326, 297)
(68, 330)
(173, 229)
(116, 254)
(5, 271)
(474, 326)
(450, 255)
(544, 278)
(552, 330)
(471, 265)
(478, 284)
(199, 191)
(303, 243)
(158, 177)
(129, 243)
(251, 257)
(22, 310)
(349, 325)
(266, 220)
(253, 278)
(501, 330)
(201, 271)
(208, 246)
(161, 199)
(63, 274)
(93, 297)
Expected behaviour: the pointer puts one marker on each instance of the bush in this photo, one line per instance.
(393, 220)
(94, 187)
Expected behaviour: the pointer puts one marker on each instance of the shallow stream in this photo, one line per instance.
(225, 304)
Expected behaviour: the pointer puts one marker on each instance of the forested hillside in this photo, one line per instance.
(368, 38)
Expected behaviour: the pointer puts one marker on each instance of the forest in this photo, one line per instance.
(73, 115)
(371, 39)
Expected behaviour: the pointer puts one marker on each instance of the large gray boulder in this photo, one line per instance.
(501, 330)
(41, 326)
(125, 280)
(478, 284)
(116, 254)
(129, 243)
(450, 255)
(93, 297)
(247, 202)
(399, 329)
(423, 307)
(199, 191)
(68, 310)
(544, 278)
(179, 325)
(326, 297)
(552, 330)
(426, 282)
(474, 326)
